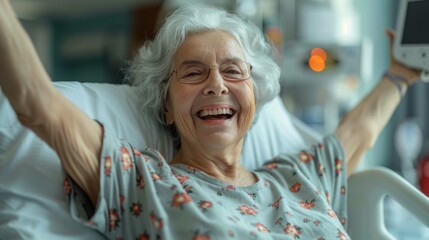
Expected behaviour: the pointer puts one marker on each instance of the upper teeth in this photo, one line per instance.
(204, 113)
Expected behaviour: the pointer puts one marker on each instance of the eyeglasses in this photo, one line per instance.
(197, 72)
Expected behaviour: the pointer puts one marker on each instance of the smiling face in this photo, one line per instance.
(214, 113)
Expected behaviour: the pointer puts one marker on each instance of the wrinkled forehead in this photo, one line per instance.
(209, 47)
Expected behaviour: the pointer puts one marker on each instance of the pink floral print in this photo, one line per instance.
(321, 169)
(143, 236)
(155, 177)
(246, 210)
(261, 227)
(332, 213)
(198, 236)
(230, 188)
(140, 182)
(121, 201)
(296, 187)
(205, 205)
(305, 157)
(308, 204)
(271, 165)
(278, 221)
(343, 221)
(136, 152)
(179, 199)
(113, 219)
(107, 165)
(317, 222)
(343, 190)
(341, 235)
(126, 159)
(338, 166)
(136, 209)
(182, 178)
(328, 198)
(276, 204)
(294, 231)
(156, 221)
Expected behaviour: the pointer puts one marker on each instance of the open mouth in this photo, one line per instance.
(216, 114)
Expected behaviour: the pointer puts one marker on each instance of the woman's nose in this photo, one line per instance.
(215, 84)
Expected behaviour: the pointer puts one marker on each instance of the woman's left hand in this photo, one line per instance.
(397, 68)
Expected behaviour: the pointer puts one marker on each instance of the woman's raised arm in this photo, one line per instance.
(76, 138)
(359, 128)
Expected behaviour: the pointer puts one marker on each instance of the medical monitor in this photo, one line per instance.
(411, 46)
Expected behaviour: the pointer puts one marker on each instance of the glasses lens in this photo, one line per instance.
(192, 73)
(236, 70)
(198, 72)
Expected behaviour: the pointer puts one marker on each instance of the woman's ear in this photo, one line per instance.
(169, 119)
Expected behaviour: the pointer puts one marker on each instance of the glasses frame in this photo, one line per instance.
(250, 67)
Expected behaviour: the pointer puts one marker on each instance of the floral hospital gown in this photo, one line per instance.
(142, 197)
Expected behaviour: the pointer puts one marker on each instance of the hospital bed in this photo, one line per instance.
(33, 205)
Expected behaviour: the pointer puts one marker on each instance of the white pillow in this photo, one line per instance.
(32, 202)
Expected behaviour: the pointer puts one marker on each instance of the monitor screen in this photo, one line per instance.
(416, 28)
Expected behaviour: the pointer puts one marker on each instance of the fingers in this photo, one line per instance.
(390, 32)
(391, 35)
(411, 73)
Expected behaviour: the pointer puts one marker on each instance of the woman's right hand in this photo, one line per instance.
(76, 138)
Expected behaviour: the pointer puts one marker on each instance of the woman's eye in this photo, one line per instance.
(192, 74)
(232, 71)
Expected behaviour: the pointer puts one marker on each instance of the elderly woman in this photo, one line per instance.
(205, 76)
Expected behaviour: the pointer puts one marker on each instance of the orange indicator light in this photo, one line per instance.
(317, 61)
